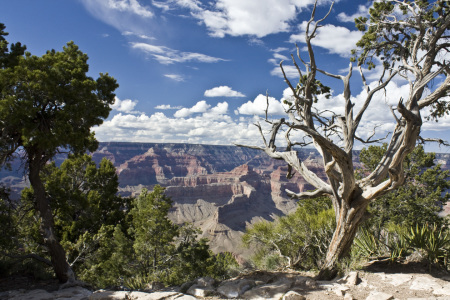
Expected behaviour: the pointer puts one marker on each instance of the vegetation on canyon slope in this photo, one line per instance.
(72, 220)
(108, 240)
(397, 224)
(409, 41)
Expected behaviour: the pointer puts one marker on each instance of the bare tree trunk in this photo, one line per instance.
(344, 234)
(57, 254)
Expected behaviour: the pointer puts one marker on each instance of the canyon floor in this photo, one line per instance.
(376, 281)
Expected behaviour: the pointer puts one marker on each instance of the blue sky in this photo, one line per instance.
(198, 71)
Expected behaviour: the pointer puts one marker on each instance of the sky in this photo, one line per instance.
(194, 71)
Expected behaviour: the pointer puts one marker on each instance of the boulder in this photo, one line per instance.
(352, 279)
(270, 291)
(206, 281)
(201, 291)
(291, 295)
(235, 288)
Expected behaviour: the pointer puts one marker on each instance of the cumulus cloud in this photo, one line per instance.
(175, 77)
(223, 91)
(126, 105)
(199, 107)
(214, 125)
(166, 56)
(336, 39)
(259, 105)
(211, 127)
(244, 18)
(167, 106)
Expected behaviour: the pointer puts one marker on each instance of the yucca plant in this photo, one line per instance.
(433, 240)
(367, 244)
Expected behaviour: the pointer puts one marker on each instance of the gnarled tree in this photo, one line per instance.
(49, 103)
(411, 39)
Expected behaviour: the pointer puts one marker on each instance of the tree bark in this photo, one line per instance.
(346, 227)
(57, 254)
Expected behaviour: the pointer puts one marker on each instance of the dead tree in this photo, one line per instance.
(413, 39)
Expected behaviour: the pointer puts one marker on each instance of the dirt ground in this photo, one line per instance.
(397, 280)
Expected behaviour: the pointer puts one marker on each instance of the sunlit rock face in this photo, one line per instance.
(220, 189)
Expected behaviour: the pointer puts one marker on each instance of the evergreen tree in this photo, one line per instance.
(48, 103)
(419, 199)
(154, 233)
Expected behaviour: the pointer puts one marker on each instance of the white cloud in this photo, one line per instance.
(126, 105)
(335, 39)
(240, 18)
(166, 56)
(363, 11)
(223, 91)
(175, 77)
(209, 128)
(167, 106)
(259, 105)
(205, 124)
(199, 107)
(220, 109)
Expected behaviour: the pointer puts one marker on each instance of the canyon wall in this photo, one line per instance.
(220, 189)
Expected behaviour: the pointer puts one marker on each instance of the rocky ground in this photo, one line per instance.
(379, 281)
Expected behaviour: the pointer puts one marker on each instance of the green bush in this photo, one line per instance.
(298, 240)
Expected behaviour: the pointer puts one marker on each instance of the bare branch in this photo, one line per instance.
(307, 195)
(442, 142)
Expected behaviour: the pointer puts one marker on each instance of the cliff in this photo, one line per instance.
(220, 189)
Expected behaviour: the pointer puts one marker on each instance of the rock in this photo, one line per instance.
(348, 296)
(206, 281)
(352, 279)
(305, 283)
(445, 290)
(398, 279)
(235, 288)
(379, 296)
(340, 290)
(269, 291)
(185, 286)
(32, 295)
(425, 284)
(415, 257)
(185, 297)
(200, 291)
(291, 295)
(108, 295)
(75, 293)
(153, 296)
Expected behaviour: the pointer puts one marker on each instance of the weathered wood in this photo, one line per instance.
(350, 197)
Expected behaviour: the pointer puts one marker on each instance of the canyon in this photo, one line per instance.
(219, 189)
